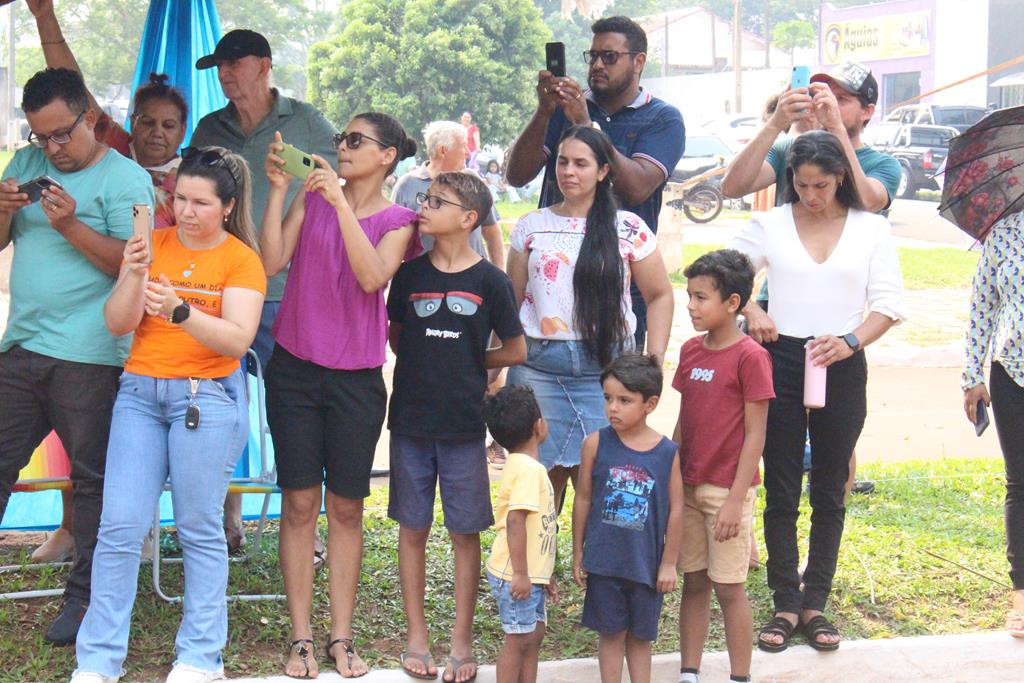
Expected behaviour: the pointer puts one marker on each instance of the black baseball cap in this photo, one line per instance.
(853, 77)
(234, 45)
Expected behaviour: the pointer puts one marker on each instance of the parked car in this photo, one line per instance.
(736, 131)
(960, 117)
(702, 153)
(921, 151)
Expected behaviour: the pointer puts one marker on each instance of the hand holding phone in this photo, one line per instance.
(298, 163)
(555, 57)
(34, 188)
(142, 225)
(801, 77)
(981, 424)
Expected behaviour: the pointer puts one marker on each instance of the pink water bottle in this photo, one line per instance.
(814, 381)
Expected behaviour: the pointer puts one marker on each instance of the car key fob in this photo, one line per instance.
(192, 416)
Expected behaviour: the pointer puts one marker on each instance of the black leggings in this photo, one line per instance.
(1008, 410)
(833, 430)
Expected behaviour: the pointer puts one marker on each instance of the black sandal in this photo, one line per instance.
(778, 626)
(304, 653)
(350, 652)
(820, 626)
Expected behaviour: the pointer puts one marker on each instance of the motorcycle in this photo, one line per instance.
(702, 199)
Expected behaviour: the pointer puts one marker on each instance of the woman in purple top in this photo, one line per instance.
(325, 391)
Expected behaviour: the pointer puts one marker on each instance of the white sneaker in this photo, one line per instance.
(89, 677)
(184, 673)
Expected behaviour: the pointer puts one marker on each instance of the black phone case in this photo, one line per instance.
(555, 56)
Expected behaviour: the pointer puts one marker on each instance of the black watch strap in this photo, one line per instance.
(852, 340)
(180, 313)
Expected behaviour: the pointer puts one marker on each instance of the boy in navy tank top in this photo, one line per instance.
(627, 520)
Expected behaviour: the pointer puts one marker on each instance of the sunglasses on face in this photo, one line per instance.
(435, 201)
(354, 140)
(61, 138)
(607, 57)
(208, 157)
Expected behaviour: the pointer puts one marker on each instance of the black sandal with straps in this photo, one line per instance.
(303, 653)
(777, 626)
(350, 652)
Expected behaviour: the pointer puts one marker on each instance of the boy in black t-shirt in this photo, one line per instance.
(442, 308)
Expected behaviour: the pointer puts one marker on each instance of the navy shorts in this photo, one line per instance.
(518, 616)
(613, 605)
(459, 465)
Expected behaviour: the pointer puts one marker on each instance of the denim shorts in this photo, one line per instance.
(613, 605)
(419, 464)
(518, 616)
(567, 383)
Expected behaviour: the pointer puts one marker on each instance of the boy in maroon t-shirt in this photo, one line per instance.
(725, 379)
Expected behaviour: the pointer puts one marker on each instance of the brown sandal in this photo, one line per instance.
(350, 652)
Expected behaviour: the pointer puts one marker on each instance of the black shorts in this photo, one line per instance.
(325, 424)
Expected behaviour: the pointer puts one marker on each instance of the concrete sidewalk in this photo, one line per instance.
(949, 659)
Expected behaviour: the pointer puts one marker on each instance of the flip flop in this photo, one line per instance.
(303, 652)
(424, 658)
(455, 663)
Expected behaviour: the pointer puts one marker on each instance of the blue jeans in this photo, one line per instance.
(149, 444)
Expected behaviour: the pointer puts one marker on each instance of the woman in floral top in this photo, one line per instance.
(571, 265)
(997, 323)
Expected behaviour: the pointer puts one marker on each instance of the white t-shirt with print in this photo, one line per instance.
(552, 245)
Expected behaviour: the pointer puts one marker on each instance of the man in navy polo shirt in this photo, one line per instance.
(648, 134)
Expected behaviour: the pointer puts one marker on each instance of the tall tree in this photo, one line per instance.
(422, 60)
(789, 35)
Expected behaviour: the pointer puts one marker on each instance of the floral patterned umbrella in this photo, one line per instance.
(985, 173)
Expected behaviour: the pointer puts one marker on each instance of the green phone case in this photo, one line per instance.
(297, 162)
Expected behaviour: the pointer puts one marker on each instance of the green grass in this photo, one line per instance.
(952, 508)
(938, 268)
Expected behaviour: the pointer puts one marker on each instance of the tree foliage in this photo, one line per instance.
(422, 60)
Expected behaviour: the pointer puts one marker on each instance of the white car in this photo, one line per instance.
(736, 131)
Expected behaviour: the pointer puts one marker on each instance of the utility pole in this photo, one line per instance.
(737, 56)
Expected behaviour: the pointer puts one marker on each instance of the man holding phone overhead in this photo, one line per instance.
(648, 134)
(59, 365)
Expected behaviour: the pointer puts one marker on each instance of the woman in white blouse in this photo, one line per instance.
(997, 324)
(571, 265)
(827, 260)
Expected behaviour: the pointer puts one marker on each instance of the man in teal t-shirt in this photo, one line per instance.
(59, 365)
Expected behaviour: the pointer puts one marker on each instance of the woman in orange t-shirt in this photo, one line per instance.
(181, 411)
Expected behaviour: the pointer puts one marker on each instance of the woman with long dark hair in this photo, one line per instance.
(325, 387)
(827, 260)
(181, 415)
(571, 265)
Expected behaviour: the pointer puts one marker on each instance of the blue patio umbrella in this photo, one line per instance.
(177, 33)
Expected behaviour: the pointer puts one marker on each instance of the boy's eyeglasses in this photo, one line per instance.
(206, 156)
(608, 57)
(61, 138)
(354, 140)
(434, 201)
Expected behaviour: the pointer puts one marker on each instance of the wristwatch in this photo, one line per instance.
(180, 313)
(852, 340)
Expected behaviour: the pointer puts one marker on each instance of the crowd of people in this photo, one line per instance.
(129, 348)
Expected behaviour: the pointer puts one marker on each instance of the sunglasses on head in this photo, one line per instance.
(206, 156)
(354, 140)
(608, 57)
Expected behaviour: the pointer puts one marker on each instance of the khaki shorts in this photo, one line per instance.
(725, 561)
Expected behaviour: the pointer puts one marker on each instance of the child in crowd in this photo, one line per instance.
(442, 308)
(523, 555)
(725, 379)
(496, 183)
(627, 519)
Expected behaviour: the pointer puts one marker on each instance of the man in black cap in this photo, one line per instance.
(246, 126)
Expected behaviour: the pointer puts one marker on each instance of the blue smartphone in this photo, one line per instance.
(801, 77)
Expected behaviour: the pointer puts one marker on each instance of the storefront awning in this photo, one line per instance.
(1006, 81)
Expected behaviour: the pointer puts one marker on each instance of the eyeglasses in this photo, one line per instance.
(207, 156)
(608, 57)
(61, 138)
(354, 140)
(434, 201)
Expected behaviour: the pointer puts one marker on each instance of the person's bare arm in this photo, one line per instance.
(102, 251)
(871, 190)
(56, 51)
(526, 157)
(667, 573)
(495, 243)
(581, 504)
(10, 201)
(511, 352)
(123, 309)
(515, 536)
(517, 269)
(652, 280)
(755, 421)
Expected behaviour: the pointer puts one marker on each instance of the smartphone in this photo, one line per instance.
(142, 225)
(297, 162)
(555, 55)
(801, 77)
(982, 420)
(34, 188)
